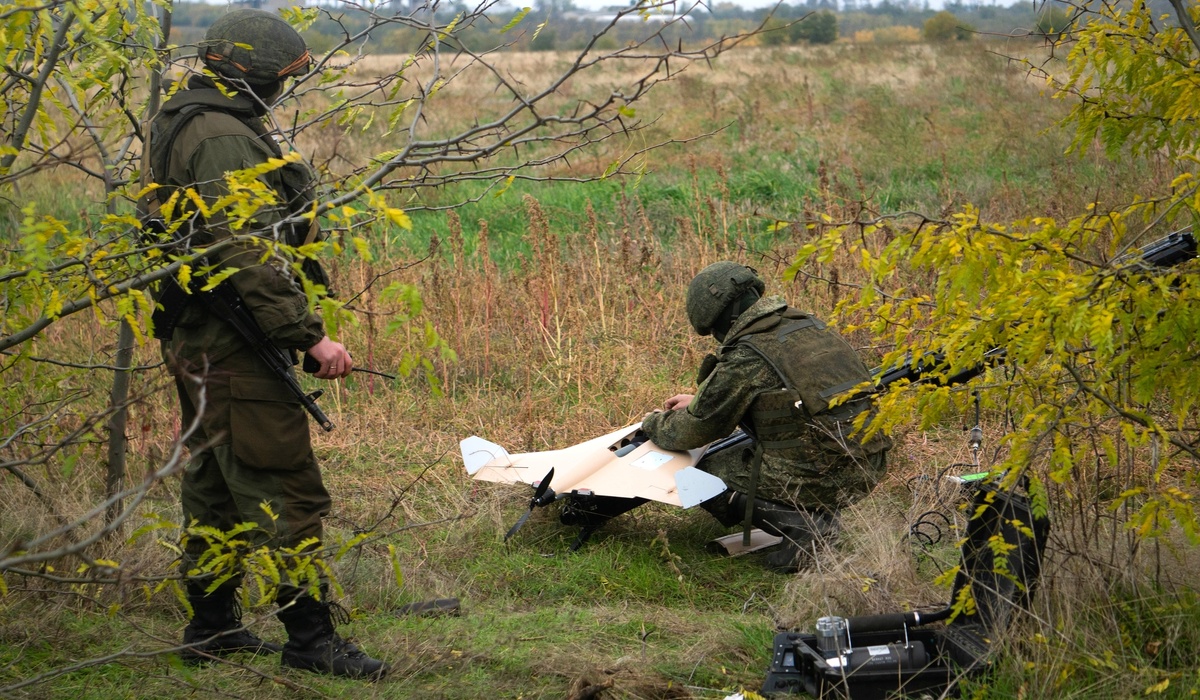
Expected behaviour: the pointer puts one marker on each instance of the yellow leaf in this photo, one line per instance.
(1159, 687)
(398, 217)
(515, 20)
(55, 305)
(184, 277)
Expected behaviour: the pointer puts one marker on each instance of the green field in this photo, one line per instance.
(564, 305)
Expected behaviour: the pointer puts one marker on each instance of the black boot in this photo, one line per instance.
(314, 646)
(216, 627)
(728, 507)
(803, 531)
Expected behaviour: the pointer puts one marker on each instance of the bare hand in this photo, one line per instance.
(332, 356)
(678, 402)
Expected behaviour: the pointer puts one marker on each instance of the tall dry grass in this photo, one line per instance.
(570, 323)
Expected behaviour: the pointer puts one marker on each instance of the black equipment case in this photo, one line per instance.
(892, 655)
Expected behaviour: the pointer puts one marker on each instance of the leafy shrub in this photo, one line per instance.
(777, 33)
(944, 26)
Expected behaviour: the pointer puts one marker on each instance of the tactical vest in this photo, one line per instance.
(297, 179)
(815, 365)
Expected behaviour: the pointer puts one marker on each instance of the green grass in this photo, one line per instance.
(535, 619)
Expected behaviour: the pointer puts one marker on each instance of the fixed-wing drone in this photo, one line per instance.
(598, 479)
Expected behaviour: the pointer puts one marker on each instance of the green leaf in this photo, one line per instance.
(516, 19)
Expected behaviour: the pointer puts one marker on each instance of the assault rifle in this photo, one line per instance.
(1168, 251)
(225, 303)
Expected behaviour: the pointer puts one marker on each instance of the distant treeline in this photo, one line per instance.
(569, 28)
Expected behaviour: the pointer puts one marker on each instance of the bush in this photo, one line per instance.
(776, 33)
(944, 26)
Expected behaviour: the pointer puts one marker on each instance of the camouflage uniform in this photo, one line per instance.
(253, 445)
(811, 469)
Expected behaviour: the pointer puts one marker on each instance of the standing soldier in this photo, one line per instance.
(774, 374)
(253, 443)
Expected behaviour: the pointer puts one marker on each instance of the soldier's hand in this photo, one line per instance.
(332, 356)
(678, 402)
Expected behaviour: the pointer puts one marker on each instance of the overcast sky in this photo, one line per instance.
(748, 4)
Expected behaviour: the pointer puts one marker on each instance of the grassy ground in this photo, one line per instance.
(564, 305)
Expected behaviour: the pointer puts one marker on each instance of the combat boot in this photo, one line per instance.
(216, 627)
(803, 532)
(728, 507)
(313, 645)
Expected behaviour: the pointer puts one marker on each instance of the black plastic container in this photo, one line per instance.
(886, 656)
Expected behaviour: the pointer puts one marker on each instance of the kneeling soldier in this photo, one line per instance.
(774, 375)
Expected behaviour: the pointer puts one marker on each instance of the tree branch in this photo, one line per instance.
(49, 65)
(1185, 21)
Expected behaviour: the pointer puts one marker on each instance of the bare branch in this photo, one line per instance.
(28, 554)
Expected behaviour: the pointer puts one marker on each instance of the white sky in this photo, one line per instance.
(748, 4)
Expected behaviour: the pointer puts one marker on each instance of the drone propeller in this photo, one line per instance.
(542, 496)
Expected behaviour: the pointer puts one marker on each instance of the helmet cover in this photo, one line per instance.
(716, 287)
(254, 46)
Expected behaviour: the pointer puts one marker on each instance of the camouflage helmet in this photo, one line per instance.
(716, 288)
(255, 46)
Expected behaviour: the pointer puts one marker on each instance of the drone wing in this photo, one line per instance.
(621, 464)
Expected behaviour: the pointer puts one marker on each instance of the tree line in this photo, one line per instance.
(565, 27)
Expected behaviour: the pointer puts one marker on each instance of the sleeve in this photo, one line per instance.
(721, 402)
(268, 286)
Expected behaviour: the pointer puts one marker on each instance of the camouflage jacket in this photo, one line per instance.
(226, 138)
(808, 460)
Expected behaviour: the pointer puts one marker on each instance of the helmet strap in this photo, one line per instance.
(735, 308)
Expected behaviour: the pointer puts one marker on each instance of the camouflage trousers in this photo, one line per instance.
(794, 482)
(251, 452)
